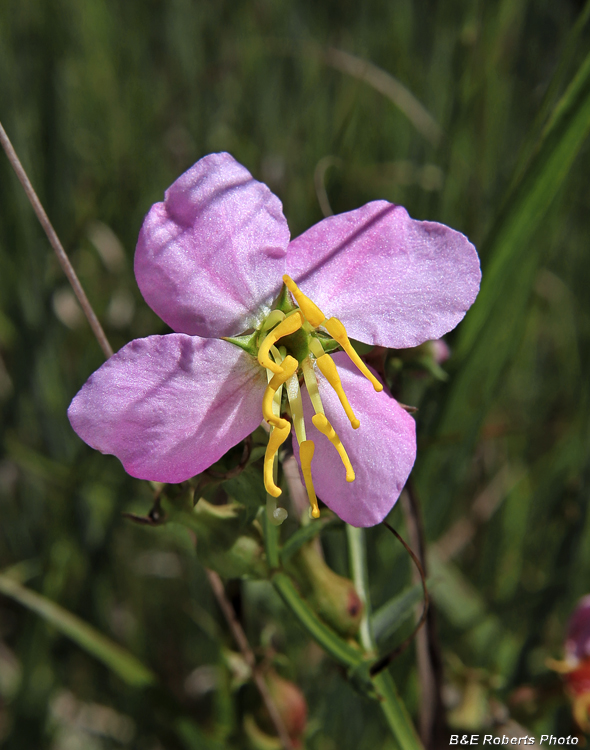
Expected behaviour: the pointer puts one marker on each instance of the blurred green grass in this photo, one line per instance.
(106, 103)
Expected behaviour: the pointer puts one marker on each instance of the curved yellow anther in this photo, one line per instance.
(276, 438)
(326, 429)
(329, 371)
(338, 332)
(306, 451)
(289, 325)
(289, 365)
(311, 311)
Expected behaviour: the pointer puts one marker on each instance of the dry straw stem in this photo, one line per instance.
(248, 654)
(55, 243)
(390, 87)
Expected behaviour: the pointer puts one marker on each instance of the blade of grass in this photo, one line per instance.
(115, 657)
(508, 244)
(569, 49)
(388, 618)
(491, 332)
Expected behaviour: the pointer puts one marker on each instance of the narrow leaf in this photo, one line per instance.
(116, 658)
(388, 618)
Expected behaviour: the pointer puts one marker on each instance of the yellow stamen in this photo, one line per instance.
(311, 311)
(338, 332)
(326, 429)
(289, 325)
(289, 366)
(306, 451)
(329, 371)
(312, 385)
(276, 438)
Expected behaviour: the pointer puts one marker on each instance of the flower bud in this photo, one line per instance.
(333, 597)
(290, 703)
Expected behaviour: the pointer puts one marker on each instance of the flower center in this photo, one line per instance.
(297, 330)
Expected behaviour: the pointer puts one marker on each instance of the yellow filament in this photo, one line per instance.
(315, 347)
(276, 438)
(329, 371)
(311, 311)
(306, 451)
(326, 429)
(289, 366)
(289, 325)
(296, 404)
(338, 332)
(312, 385)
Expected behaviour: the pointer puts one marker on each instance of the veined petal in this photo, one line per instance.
(393, 281)
(170, 406)
(210, 258)
(382, 451)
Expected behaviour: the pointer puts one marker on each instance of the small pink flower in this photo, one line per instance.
(210, 262)
(575, 667)
(440, 351)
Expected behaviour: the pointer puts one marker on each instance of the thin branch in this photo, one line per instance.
(250, 659)
(390, 87)
(386, 660)
(428, 655)
(63, 259)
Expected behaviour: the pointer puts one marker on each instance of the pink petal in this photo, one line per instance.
(210, 258)
(170, 406)
(577, 643)
(382, 451)
(391, 280)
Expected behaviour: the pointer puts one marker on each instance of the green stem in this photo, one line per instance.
(271, 540)
(393, 708)
(395, 712)
(338, 649)
(358, 568)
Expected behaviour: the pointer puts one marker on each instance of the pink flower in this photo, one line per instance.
(575, 667)
(210, 262)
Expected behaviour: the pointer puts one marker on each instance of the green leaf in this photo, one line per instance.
(388, 618)
(247, 488)
(116, 658)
